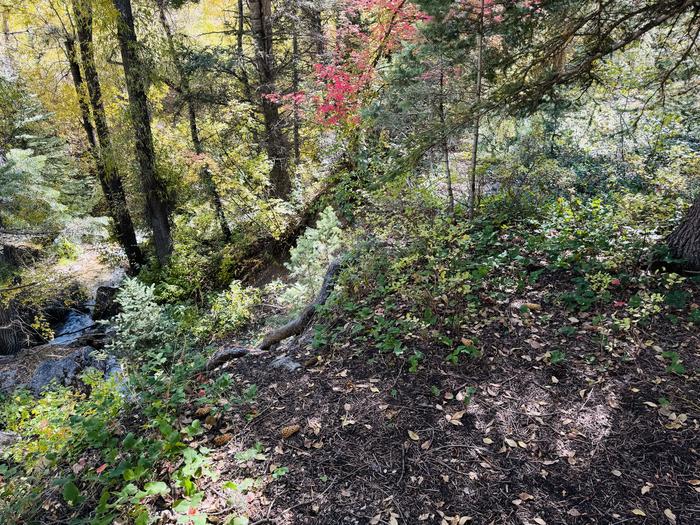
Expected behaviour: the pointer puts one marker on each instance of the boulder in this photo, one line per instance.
(286, 363)
(65, 371)
(9, 381)
(106, 305)
(7, 439)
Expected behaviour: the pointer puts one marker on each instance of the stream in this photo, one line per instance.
(77, 323)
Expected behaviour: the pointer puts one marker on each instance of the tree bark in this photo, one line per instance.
(10, 335)
(295, 89)
(276, 143)
(445, 144)
(317, 34)
(684, 241)
(157, 207)
(98, 136)
(205, 172)
(477, 121)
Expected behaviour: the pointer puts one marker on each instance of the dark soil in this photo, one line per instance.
(606, 436)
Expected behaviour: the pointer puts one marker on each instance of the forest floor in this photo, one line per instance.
(605, 436)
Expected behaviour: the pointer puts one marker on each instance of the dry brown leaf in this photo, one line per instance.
(222, 439)
(289, 431)
(202, 411)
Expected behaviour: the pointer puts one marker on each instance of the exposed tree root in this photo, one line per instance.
(225, 355)
(294, 327)
(297, 326)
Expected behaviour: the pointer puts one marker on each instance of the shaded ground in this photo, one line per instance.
(606, 436)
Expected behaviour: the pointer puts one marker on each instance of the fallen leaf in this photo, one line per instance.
(670, 515)
(413, 435)
(488, 441)
(289, 431)
(638, 512)
(222, 439)
(539, 521)
(202, 411)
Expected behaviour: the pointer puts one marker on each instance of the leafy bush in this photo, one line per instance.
(310, 258)
(231, 309)
(65, 249)
(143, 324)
(79, 441)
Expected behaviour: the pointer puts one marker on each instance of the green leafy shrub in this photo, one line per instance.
(231, 309)
(65, 249)
(310, 258)
(143, 324)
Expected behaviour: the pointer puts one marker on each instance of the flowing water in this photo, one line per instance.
(75, 325)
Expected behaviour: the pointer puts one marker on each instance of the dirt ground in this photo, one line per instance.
(607, 436)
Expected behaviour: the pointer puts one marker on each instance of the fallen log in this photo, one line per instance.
(225, 355)
(297, 326)
(294, 327)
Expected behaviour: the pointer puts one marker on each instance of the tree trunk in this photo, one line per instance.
(99, 140)
(295, 89)
(156, 202)
(477, 122)
(445, 144)
(205, 172)
(313, 14)
(276, 143)
(10, 335)
(684, 241)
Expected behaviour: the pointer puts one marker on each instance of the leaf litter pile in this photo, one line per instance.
(517, 435)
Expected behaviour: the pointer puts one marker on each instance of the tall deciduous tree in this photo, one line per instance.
(98, 136)
(157, 207)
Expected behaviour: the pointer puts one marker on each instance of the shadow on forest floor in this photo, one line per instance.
(607, 436)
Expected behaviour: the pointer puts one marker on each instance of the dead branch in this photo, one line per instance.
(297, 326)
(294, 327)
(225, 355)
